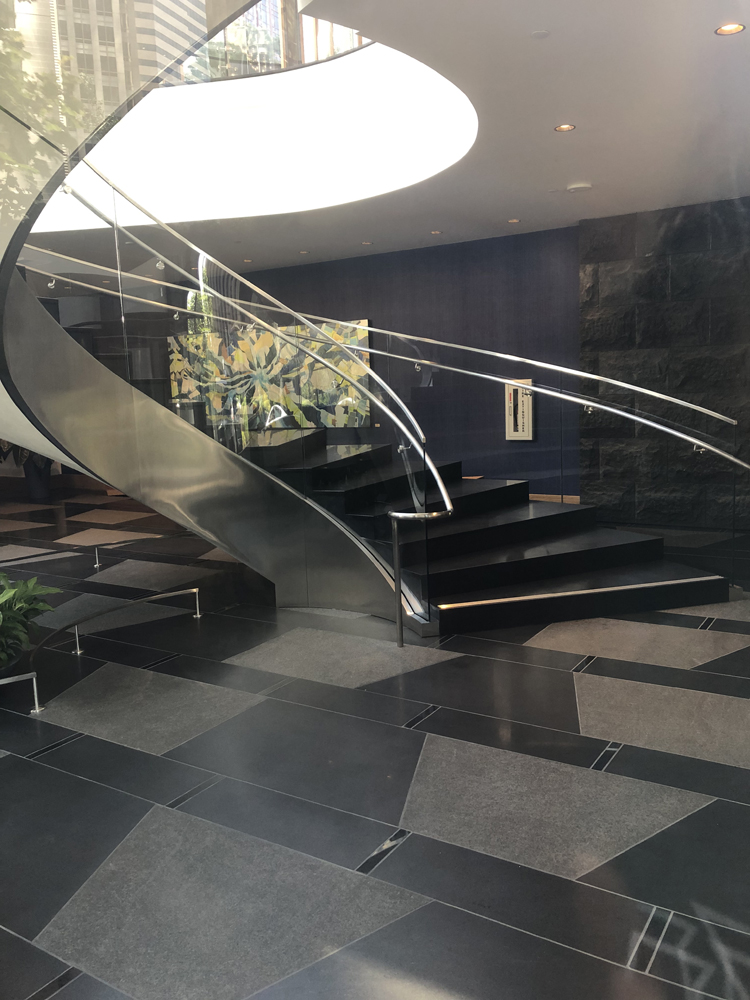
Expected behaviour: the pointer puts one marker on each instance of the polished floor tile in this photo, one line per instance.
(116, 652)
(323, 832)
(25, 969)
(22, 735)
(85, 988)
(628, 640)
(364, 704)
(738, 610)
(562, 910)
(146, 775)
(67, 564)
(516, 652)
(697, 867)
(105, 536)
(104, 515)
(7, 525)
(703, 956)
(93, 498)
(215, 672)
(442, 952)
(517, 736)
(733, 664)
(698, 679)
(537, 695)
(332, 658)
(719, 780)
(55, 831)
(149, 575)
(187, 909)
(662, 618)
(675, 720)
(352, 764)
(728, 625)
(22, 508)
(555, 817)
(516, 633)
(115, 613)
(144, 709)
(211, 636)
(57, 671)
(12, 553)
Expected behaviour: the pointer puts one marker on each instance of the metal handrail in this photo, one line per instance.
(32, 674)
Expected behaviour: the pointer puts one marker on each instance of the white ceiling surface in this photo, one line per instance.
(330, 134)
(661, 106)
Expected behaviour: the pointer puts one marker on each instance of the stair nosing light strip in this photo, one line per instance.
(575, 593)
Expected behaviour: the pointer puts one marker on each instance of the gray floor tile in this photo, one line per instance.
(693, 723)
(143, 709)
(738, 611)
(120, 613)
(555, 817)
(218, 555)
(17, 551)
(329, 612)
(187, 910)
(150, 575)
(7, 525)
(625, 640)
(23, 508)
(86, 988)
(104, 516)
(104, 536)
(333, 658)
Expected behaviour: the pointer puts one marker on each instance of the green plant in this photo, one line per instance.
(20, 602)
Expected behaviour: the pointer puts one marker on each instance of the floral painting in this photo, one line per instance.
(250, 379)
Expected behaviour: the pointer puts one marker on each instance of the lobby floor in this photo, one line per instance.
(282, 804)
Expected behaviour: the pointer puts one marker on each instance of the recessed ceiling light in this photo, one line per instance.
(248, 260)
(564, 128)
(366, 243)
(540, 34)
(436, 232)
(514, 220)
(579, 186)
(730, 29)
(105, 281)
(304, 251)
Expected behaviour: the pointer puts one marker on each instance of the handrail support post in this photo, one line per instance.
(197, 606)
(97, 564)
(78, 651)
(397, 582)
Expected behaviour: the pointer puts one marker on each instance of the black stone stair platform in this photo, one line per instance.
(593, 594)
(333, 462)
(377, 485)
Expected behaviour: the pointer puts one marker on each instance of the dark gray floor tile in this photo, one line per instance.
(498, 650)
(456, 954)
(539, 813)
(593, 921)
(363, 704)
(729, 625)
(214, 672)
(144, 709)
(352, 764)
(155, 576)
(517, 633)
(304, 826)
(366, 625)
(24, 969)
(703, 956)
(57, 671)
(55, 830)
(537, 695)
(115, 652)
(133, 771)
(735, 664)
(22, 735)
(720, 780)
(86, 988)
(697, 866)
(349, 661)
(215, 637)
(696, 679)
(517, 736)
(188, 909)
(662, 618)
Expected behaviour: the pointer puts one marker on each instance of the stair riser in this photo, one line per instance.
(501, 534)
(308, 480)
(379, 525)
(347, 501)
(576, 606)
(525, 570)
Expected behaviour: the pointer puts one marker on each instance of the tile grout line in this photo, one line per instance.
(385, 850)
(191, 793)
(667, 922)
(421, 717)
(52, 988)
(641, 936)
(35, 754)
(411, 783)
(619, 748)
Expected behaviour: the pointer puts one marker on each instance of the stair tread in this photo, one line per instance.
(539, 548)
(333, 454)
(462, 523)
(372, 477)
(658, 571)
(456, 488)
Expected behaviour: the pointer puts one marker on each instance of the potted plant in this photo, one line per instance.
(20, 602)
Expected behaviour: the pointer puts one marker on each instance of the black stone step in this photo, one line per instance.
(596, 593)
(469, 496)
(508, 525)
(388, 482)
(279, 447)
(332, 463)
(537, 559)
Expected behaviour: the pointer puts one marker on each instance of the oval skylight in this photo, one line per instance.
(358, 126)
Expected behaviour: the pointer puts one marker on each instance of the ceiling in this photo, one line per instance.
(661, 106)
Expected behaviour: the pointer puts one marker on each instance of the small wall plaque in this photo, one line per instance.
(519, 411)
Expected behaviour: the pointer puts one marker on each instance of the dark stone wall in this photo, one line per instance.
(665, 303)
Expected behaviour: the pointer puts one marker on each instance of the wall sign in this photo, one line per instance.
(519, 412)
